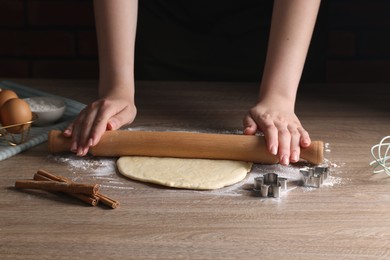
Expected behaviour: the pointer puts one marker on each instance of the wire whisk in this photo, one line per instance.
(381, 154)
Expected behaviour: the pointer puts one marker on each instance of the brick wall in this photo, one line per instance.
(47, 39)
(56, 39)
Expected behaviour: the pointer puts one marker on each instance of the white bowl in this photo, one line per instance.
(47, 109)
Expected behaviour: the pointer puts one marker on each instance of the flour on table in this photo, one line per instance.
(90, 167)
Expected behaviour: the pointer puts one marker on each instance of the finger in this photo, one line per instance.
(87, 124)
(294, 146)
(305, 140)
(124, 117)
(109, 118)
(68, 130)
(115, 123)
(99, 127)
(284, 145)
(250, 126)
(267, 126)
(75, 132)
(80, 126)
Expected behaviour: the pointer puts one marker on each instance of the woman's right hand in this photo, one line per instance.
(108, 113)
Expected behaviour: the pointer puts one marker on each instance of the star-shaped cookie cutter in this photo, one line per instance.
(314, 176)
(271, 185)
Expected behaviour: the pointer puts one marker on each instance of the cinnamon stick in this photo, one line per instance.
(91, 200)
(99, 196)
(52, 176)
(107, 201)
(58, 186)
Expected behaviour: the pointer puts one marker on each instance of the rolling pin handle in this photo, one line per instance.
(58, 143)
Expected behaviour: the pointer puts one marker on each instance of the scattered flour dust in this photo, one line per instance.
(89, 167)
(104, 170)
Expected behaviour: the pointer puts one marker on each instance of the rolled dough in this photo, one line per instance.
(199, 174)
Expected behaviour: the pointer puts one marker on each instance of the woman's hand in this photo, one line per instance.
(107, 113)
(291, 30)
(116, 23)
(282, 129)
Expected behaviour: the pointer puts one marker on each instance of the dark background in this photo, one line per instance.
(193, 40)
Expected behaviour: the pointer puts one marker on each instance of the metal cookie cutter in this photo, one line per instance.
(314, 176)
(270, 185)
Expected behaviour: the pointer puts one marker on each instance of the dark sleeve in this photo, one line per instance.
(205, 40)
(201, 40)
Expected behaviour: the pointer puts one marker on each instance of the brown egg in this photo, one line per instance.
(15, 111)
(5, 95)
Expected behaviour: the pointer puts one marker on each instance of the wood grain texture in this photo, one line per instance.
(350, 220)
(249, 148)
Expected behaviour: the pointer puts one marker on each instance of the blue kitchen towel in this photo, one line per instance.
(37, 135)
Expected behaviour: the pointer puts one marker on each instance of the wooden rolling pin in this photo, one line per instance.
(184, 145)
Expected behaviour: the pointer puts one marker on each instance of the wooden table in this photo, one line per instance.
(350, 220)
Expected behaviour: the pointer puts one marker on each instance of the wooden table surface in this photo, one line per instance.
(349, 220)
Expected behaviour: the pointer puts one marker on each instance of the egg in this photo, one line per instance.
(15, 111)
(5, 95)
